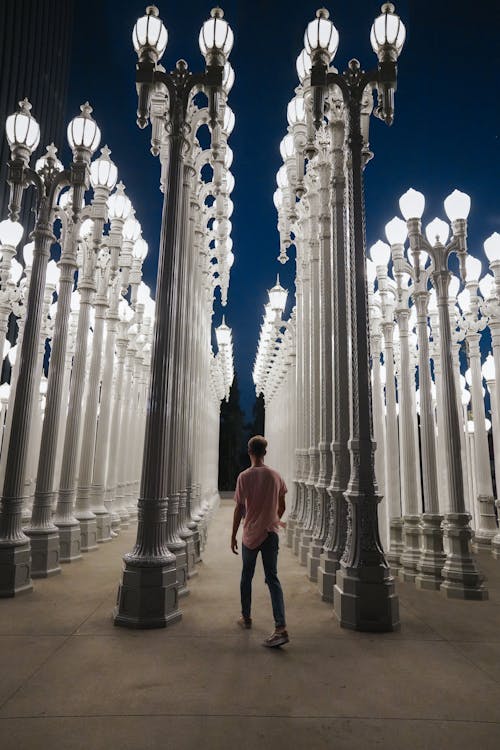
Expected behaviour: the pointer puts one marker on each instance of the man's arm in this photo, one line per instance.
(281, 505)
(238, 515)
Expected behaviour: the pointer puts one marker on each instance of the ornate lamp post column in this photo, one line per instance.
(460, 576)
(23, 134)
(492, 250)
(486, 528)
(364, 597)
(148, 594)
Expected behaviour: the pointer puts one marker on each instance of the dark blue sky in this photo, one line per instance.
(445, 134)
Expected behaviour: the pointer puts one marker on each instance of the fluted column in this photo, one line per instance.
(432, 555)
(42, 531)
(495, 418)
(334, 546)
(325, 384)
(411, 510)
(460, 576)
(119, 514)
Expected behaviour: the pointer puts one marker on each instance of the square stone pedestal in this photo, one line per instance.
(365, 599)
(15, 570)
(147, 597)
(327, 574)
(70, 543)
(44, 553)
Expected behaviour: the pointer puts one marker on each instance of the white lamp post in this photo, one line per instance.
(364, 597)
(23, 135)
(460, 576)
(151, 566)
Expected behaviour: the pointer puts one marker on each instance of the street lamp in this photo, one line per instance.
(460, 576)
(151, 567)
(23, 136)
(364, 597)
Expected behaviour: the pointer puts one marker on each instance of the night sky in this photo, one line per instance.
(445, 134)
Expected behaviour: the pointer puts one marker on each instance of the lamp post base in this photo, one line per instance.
(461, 578)
(393, 556)
(290, 527)
(148, 597)
(313, 559)
(305, 546)
(365, 599)
(327, 574)
(411, 552)
(88, 529)
(44, 552)
(15, 570)
(297, 535)
(103, 527)
(70, 543)
(432, 556)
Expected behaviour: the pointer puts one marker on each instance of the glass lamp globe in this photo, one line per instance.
(388, 31)
(229, 181)
(492, 247)
(131, 229)
(22, 129)
(230, 208)
(230, 259)
(278, 198)
(371, 271)
(75, 301)
(396, 231)
(454, 286)
(380, 253)
(125, 312)
(228, 77)
(229, 121)
(296, 111)
(488, 368)
(119, 206)
(16, 270)
(86, 228)
(457, 205)
(4, 392)
(423, 258)
(53, 273)
(150, 36)
(143, 293)
(465, 397)
(28, 253)
(228, 158)
(463, 300)
(303, 65)
(437, 231)
(487, 286)
(216, 36)
(278, 296)
(282, 178)
(43, 162)
(12, 355)
(412, 204)
(10, 233)
(223, 334)
(321, 36)
(473, 267)
(287, 147)
(140, 249)
(83, 132)
(103, 172)
(6, 347)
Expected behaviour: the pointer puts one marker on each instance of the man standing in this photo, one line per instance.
(260, 500)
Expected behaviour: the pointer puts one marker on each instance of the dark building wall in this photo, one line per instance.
(35, 49)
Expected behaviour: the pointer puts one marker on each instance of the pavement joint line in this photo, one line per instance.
(299, 717)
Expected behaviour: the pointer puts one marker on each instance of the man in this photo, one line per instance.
(260, 499)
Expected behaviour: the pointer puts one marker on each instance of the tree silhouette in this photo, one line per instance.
(231, 439)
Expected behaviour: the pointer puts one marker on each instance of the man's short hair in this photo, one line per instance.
(257, 446)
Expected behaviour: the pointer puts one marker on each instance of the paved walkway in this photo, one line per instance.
(71, 680)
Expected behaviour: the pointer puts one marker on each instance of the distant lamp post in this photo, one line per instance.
(364, 596)
(460, 576)
(23, 134)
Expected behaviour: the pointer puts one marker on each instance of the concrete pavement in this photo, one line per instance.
(71, 680)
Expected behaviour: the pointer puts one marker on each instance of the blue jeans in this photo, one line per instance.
(269, 550)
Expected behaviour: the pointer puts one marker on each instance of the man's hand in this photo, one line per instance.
(234, 545)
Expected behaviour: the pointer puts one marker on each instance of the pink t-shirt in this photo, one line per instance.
(258, 489)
